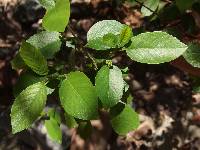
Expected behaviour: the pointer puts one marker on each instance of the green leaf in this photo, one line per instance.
(126, 87)
(28, 106)
(109, 85)
(192, 55)
(48, 42)
(26, 79)
(53, 113)
(155, 48)
(57, 18)
(123, 119)
(53, 130)
(151, 4)
(78, 97)
(70, 121)
(33, 58)
(108, 34)
(47, 4)
(18, 63)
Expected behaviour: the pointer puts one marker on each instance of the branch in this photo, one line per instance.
(74, 34)
(93, 60)
(82, 48)
(186, 67)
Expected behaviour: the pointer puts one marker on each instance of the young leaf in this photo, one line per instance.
(151, 4)
(28, 106)
(155, 48)
(18, 63)
(109, 85)
(70, 44)
(108, 34)
(57, 18)
(129, 99)
(48, 42)
(50, 90)
(53, 113)
(53, 125)
(78, 97)
(26, 79)
(192, 55)
(53, 130)
(110, 40)
(33, 58)
(123, 119)
(125, 36)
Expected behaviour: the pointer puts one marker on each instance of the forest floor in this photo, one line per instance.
(169, 110)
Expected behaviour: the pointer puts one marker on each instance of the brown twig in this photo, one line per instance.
(83, 48)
